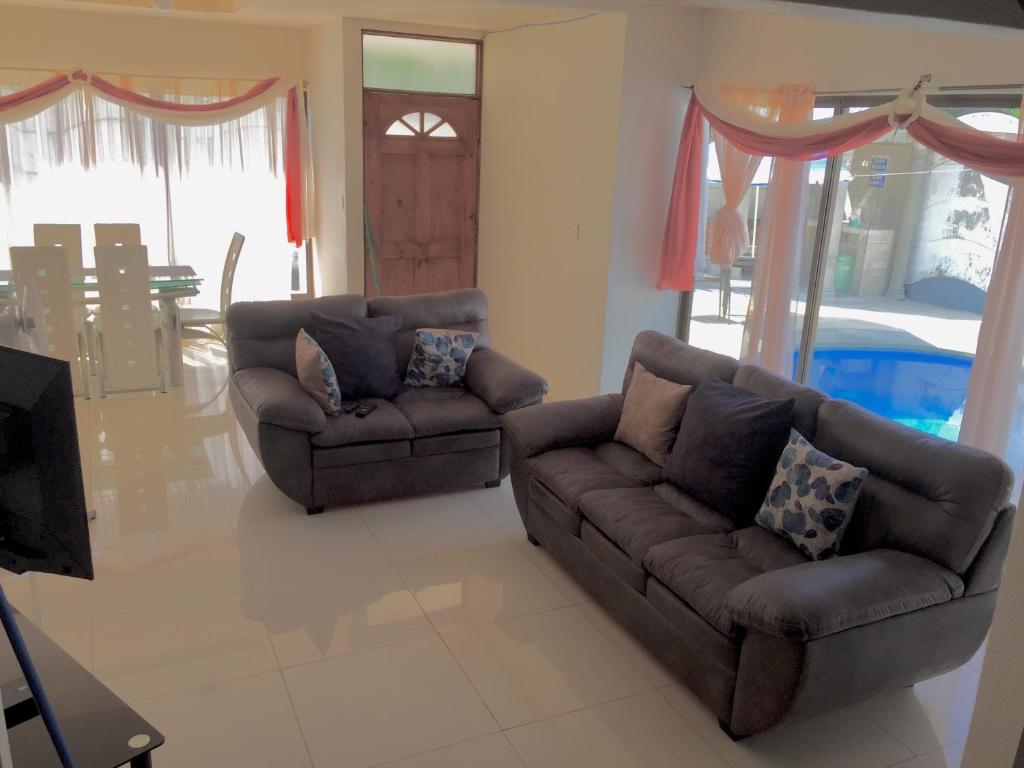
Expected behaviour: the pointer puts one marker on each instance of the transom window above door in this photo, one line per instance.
(421, 124)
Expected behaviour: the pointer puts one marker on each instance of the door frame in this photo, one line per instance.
(477, 96)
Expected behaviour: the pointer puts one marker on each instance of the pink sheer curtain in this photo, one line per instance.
(996, 372)
(768, 333)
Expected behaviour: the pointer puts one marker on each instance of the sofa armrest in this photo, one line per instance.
(816, 599)
(278, 398)
(564, 424)
(501, 382)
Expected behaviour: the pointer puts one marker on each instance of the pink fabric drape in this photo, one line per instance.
(32, 100)
(679, 246)
(768, 332)
(729, 236)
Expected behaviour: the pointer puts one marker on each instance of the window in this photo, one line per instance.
(418, 64)
(892, 291)
(421, 124)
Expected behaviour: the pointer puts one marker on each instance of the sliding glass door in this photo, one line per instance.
(895, 268)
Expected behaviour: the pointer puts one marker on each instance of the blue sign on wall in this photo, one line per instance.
(879, 165)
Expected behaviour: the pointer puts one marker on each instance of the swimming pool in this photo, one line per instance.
(924, 390)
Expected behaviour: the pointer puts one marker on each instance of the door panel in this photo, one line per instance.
(421, 190)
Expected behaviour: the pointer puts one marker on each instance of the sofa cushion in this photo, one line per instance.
(571, 472)
(456, 442)
(651, 413)
(316, 374)
(362, 351)
(637, 518)
(360, 453)
(384, 423)
(676, 360)
(702, 570)
(811, 498)
(729, 442)
(630, 463)
(442, 410)
(694, 509)
(612, 557)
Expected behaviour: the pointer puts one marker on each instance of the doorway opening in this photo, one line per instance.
(421, 139)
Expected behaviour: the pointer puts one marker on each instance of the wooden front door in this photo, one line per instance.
(420, 170)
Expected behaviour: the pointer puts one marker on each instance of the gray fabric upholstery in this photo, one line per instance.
(441, 410)
(425, 440)
(501, 382)
(384, 423)
(676, 360)
(924, 495)
(820, 598)
(460, 441)
(277, 398)
(262, 333)
(629, 462)
(363, 453)
(702, 570)
(636, 519)
(463, 310)
(612, 556)
(571, 472)
(758, 632)
(563, 424)
(765, 383)
(417, 475)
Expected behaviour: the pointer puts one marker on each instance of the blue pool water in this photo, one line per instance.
(924, 390)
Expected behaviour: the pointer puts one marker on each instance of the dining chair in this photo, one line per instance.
(196, 322)
(129, 334)
(66, 236)
(42, 273)
(117, 234)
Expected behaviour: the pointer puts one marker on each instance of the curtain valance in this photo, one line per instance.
(810, 140)
(26, 103)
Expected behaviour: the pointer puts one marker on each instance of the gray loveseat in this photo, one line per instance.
(426, 439)
(759, 632)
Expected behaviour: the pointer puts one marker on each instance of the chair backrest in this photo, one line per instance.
(129, 345)
(227, 280)
(464, 309)
(45, 269)
(117, 234)
(66, 236)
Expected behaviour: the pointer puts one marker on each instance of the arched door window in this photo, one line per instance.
(424, 124)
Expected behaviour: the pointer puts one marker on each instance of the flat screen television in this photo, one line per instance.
(43, 515)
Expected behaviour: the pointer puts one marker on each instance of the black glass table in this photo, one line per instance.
(100, 729)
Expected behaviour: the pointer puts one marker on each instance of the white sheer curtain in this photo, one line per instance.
(86, 160)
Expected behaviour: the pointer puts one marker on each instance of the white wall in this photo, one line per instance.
(48, 38)
(772, 48)
(661, 55)
(550, 134)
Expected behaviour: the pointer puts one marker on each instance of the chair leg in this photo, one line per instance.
(91, 346)
(162, 360)
(83, 366)
(101, 370)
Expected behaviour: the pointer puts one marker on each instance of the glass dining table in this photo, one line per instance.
(167, 284)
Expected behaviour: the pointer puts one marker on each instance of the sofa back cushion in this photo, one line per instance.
(262, 333)
(755, 379)
(460, 310)
(677, 361)
(924, 495)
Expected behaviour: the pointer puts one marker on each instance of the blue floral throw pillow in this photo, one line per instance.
(316, 374)
(811, 499)
(439, 357)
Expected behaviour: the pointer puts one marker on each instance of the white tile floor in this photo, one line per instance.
(424, 633)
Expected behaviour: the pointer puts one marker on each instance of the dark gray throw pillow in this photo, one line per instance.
(362, 351)
(729, 442)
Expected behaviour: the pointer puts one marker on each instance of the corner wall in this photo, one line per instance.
(661, 56)
(550, 128)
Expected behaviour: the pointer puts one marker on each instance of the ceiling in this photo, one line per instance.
(1006, 15)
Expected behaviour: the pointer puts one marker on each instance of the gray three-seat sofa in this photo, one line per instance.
(759, 632)
(426, 439)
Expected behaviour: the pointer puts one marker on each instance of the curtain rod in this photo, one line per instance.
(895, 91)
(51, 70)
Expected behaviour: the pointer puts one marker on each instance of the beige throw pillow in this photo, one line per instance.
(651, 414)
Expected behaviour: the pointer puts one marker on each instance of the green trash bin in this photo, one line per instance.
(843, 280)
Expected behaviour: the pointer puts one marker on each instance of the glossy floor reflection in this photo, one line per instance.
(417, 633)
